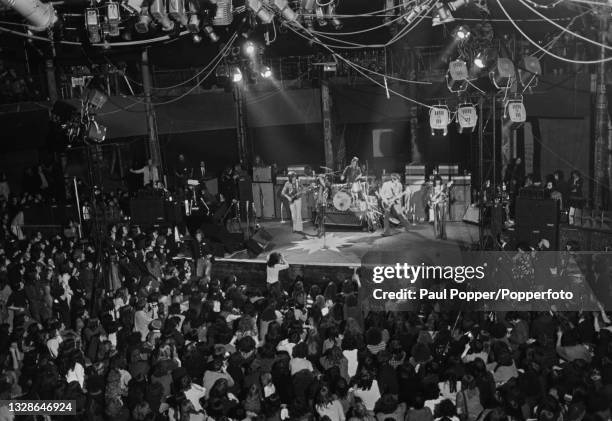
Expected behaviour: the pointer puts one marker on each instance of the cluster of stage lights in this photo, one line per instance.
(251, 57)
(503, 76)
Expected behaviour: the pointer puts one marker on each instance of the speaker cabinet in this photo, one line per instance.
(264, 200)
(537, 219)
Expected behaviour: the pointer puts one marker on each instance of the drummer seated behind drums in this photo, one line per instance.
(391, 194)
(352, 176)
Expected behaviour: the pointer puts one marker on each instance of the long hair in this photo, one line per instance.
(274, 259)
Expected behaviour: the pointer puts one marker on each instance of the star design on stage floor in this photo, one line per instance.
(314, 244)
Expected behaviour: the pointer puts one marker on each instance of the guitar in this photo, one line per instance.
(388, 203)
(295, 196)
(437, 198)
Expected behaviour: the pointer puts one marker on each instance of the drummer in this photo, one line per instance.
(352, 176)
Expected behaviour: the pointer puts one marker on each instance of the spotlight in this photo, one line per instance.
(442, 14)
(209, 31)
(480, 60)
(266, 72)
(158, 11)
(197, 38)
(176, 10)
(95, 98)
(456, 4)
(194, 24)
(249, 48)
(503, 74)
(467, 117)
(236, 75)
(96, 132)
(113, 18)
(92, 23)
(320, 16)
(414, 13)
(457, 76)
(529, 71)
(260, 11)
(331, 13)
(439, 119)
(40, 16)
(224, 14)
(285, 10)
(462, 33)
(142, 25)
(515, 113)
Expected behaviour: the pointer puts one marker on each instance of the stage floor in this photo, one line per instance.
(348, 247)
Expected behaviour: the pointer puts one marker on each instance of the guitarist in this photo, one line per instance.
(391, 194)
(290, 193)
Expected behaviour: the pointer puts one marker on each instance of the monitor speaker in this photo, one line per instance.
(537, 219)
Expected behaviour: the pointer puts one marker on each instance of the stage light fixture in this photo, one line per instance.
(442, 14)
(194, 24)
(96, 132)
(177, 11)
(92, 23)
(414, 13)
(515, 113)
(462, 33)
(331, 13)
(467, 117)
(456, 4)
(457, 76)
(503, 73)
(266, 72)
(285, 11)
(224, 14)
(113, 18)
(249, 48)
(320, 13)
(529, 71)
(480, 60)
(196, 38)
(236, 75)
(260, 11)
(95, 99)
(144, 20)
(158, 11)
(439, 119)
(209, 31)
(40, 16)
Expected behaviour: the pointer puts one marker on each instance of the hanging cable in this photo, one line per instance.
(542, 49)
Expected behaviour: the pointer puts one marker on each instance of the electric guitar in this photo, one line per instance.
(437, 198)
(388, 203)
(299, 193)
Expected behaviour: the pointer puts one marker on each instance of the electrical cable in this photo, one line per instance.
(599, 44)
(545, 6)
(545, 51)
(348, 62)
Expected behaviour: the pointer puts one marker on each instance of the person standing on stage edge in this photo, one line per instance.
(391, 194)
(290, 192)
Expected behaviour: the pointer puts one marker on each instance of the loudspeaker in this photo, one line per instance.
(245, 191)
(537, 219)
(262, 236)
(231, 242)
(263, 198)
(342, 219)
(147, 211)
(254, 248)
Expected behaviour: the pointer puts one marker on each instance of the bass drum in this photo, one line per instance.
(342, 201)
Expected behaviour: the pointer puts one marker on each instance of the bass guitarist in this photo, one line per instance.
(391, 194)
(291, 193)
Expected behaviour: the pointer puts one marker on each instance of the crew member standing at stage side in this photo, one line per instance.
(290, 194)
(391, 194)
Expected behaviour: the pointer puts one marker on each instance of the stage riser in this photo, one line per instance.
(253, 274)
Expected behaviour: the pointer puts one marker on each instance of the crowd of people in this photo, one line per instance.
(133, 325)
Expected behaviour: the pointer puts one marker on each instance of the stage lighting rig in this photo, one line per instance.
(467, 117)
(209, 30)
(414, 13)
(266, 72)
(285, 11)
(331, 13)
(113, 18)
(224, 14)
(439, 119)
(158, 11)
(143, 22)
(236, 75)
(462, 33)
(503, 74)
(529, 71)
(40, 16)
(264, 15)
(442, 14)
(457, 76)
(96, 132)
(177, 11)
(92, 23)
(515, 113)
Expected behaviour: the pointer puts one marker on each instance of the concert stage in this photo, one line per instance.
(315, 258)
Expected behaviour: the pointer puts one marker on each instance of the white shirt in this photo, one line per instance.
(272, 272)
(194, 394)
(390, 189)
(149, 174)
(369, 397)
(76, 374)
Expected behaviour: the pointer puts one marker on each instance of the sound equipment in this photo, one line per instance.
(448, 169)
(147, 212)
(262, 174)
(245, 190)
(334, 218)
(537, 219)
(472, 215)
(415, 170)
(258, 242)
(298, 169)
(231, 242)
(264, 200)
(532, 192)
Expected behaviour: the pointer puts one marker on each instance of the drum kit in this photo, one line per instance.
(355, 197)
